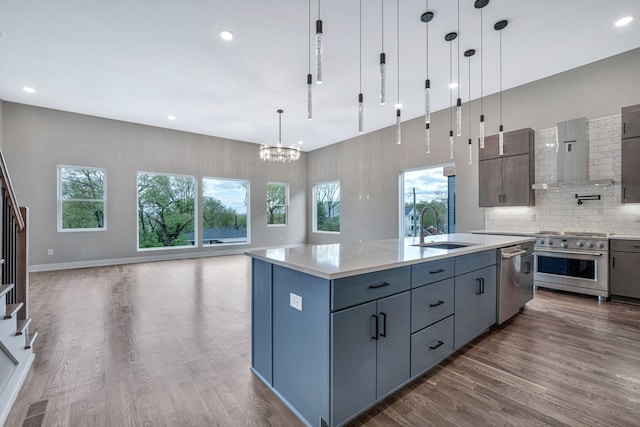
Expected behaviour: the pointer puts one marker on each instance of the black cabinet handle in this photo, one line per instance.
(436, 304)
(624, 128)
(478, 281)
(482, 285)
(375, 321)
(381, 285)
(433, 347)
(613, 262)
(440, 270)
(384, 324)
(624, 193)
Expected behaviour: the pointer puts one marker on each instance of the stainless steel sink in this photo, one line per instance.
(443, 245)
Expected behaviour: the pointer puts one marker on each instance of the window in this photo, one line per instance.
(433, 187)
(166, 210)
(326, 207)
(277, 201)
(225, 211)
(82, 198)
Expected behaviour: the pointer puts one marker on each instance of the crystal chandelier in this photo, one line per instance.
(279, 152)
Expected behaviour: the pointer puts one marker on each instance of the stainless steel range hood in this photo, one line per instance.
(572, 154)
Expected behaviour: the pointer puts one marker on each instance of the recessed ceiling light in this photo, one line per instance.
(300, 142)
(171, 117)
(453, 85)
(623, 21)
(226, 35)
(29, 89)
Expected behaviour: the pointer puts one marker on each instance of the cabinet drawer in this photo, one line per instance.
(476, 261)
(432, 271)
(350, 291)
(432, 303)
(625, 245)
(431, 345)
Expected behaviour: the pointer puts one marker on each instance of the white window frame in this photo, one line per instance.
(315, 207)
(285, 206)
(195, 213)
(60, 199)
(246, 242)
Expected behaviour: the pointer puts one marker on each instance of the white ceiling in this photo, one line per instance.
(142, 60)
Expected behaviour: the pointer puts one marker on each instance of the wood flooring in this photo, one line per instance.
(168, 344)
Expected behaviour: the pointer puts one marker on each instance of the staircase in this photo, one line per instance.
(16, 341)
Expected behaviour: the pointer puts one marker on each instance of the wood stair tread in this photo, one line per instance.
(12, 309)
(22, 326)
(30, 340)
(5, 288)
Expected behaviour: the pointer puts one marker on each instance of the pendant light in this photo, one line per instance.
(468, 54)
(279, 152)
(309, 76)
(450, 37)
(398, 105)
(360, 96)
(383, 60)
(480, 4)
(319, 36)
(499, 26)
(426, 18)
(458, 101)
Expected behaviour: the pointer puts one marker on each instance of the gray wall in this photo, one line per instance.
(371, 163)
(38, 139)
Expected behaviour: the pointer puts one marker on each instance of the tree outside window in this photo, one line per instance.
(81, 198)
(166, 210)
(277, 195)
(327, 207)
(225, 211)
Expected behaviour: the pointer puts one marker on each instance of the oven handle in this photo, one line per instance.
(569, 252)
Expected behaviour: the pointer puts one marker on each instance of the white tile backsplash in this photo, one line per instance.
(557, 209)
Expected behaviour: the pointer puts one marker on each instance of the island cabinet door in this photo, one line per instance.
(475, 302)
(354, 334)
(394, 343)
(487, 300)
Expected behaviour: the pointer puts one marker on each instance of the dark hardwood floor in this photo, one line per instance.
(168, 344)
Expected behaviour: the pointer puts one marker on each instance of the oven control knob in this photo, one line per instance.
(579, 243)
(541, 241)
(564, 244)
(600, 245)
(589, 244)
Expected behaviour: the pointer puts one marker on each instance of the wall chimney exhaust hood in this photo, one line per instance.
(572, 154)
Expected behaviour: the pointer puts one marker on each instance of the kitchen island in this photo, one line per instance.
(336, 328)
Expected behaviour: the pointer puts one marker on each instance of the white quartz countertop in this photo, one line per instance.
(333, 261)
(625, 237)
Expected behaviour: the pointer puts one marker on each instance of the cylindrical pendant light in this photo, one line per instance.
(450, 37)
(319, 36)
(480, 4)
(360, 96)
(309, 76)
(398, 105)
(499, 26)
(383, 61)
(426, 18)
(468, 54)
(458, 101)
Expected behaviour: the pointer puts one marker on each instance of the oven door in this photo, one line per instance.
(569, 269)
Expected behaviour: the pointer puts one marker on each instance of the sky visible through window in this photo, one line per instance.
(429, 184)
(227, 192)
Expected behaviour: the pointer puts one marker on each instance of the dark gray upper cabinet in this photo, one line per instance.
(631, 121)
(629, 171)
(505, 180)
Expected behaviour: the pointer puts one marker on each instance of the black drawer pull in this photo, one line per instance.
(436, 304)
(433, 347)
(440, 270)
(381, 285)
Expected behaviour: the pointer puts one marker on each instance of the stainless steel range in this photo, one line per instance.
(572, 261)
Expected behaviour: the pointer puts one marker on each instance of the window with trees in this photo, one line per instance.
(277, 201)
(82, 198)
(166, 210)
(225, 211)
(434, 187)
(326, 207)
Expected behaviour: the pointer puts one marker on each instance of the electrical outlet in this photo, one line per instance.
(295, 301)
(49, 251)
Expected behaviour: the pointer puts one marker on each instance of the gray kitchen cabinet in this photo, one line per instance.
(630, 172)
(631, 121)
(371, 353)
(505, 180)
(475, 302)
(625, 259)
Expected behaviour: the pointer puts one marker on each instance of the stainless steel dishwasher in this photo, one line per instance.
(515, 281)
